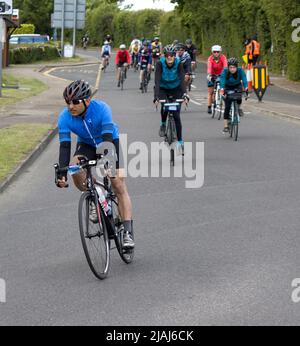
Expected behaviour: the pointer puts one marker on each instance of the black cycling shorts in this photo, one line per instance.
(121, 64)
(83, 149)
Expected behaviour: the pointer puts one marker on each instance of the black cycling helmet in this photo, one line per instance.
(189, 41)
(233, 62)
(169, 49)
(180, 46)
(78, 90)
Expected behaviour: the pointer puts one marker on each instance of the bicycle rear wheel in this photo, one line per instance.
(173, 139)
(220, 109)
(125, 254)
(94, 237)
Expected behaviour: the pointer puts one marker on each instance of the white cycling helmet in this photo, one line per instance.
(123, 46)
(216, 48)
(106, 42)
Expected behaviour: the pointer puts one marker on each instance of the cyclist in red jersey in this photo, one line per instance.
(215, 66)
(122, 59)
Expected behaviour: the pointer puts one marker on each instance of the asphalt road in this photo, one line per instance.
(222, 254)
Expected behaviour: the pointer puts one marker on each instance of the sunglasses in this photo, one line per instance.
(216, 52)
(75, 102)
(170, 55)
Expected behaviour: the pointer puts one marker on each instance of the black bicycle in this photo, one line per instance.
(145, 78)
(99, 219)
(234, 119)
(123, 76)
(171, 106)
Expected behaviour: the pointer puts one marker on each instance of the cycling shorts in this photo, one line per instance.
(83, 149)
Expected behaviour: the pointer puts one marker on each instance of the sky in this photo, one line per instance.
(142, 4)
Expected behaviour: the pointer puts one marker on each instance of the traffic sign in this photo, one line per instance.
(6, 7)
(68, 14)
(260, 82)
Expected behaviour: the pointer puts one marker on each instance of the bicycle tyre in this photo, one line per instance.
(220, 108)
(126, 255)
(236, 134)
(214, 109)
(169, 132)
(85, 225)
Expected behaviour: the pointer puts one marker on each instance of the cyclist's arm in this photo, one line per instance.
(188, 67)
(209, 66)
(117, 58)
(127, 58)
(244, 79)
(223, 79)
(181, 76)
(158, 73)
(65, 143)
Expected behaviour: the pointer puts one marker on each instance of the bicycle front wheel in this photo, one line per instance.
(94, 236)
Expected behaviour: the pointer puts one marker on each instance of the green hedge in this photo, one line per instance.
(32, 53)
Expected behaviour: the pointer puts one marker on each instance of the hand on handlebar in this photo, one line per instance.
(62, 183)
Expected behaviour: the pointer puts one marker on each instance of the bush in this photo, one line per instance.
(32, 53)
(25, 29)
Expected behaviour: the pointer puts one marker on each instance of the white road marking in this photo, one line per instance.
(196, 103)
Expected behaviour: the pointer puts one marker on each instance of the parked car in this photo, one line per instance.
(28, 39)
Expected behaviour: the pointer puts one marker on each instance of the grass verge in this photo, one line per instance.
(27, 87)
(16, 142)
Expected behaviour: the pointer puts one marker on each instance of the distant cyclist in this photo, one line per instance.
(85, 41)
(105, 53)
(156, 50)
(169, 82)
(122, 59)
(192, 50)
(232, 78)
(92, 122)
(185, 59)
(134, 50)
(215, 66)
(145, 62)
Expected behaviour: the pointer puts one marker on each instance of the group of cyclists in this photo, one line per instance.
(92, 120)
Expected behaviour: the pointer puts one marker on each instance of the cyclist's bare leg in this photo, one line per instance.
(120, 189)
(210, 96)
(79, 179)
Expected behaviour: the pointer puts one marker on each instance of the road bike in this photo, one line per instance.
(98, 234)
(123, 73)
(234, 115)
(145, 78)
(105, 63)
(217, 106)
(171, 106)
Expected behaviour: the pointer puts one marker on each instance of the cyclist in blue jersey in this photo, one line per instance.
(92, 122)
(169, 82)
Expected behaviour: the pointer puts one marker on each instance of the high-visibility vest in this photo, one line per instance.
(256, 47)
(249, 50)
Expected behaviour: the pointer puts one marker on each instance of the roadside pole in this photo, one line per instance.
(1, 48)
(74, 28)
(63, 29)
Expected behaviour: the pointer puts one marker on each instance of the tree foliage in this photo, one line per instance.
(230, 22)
